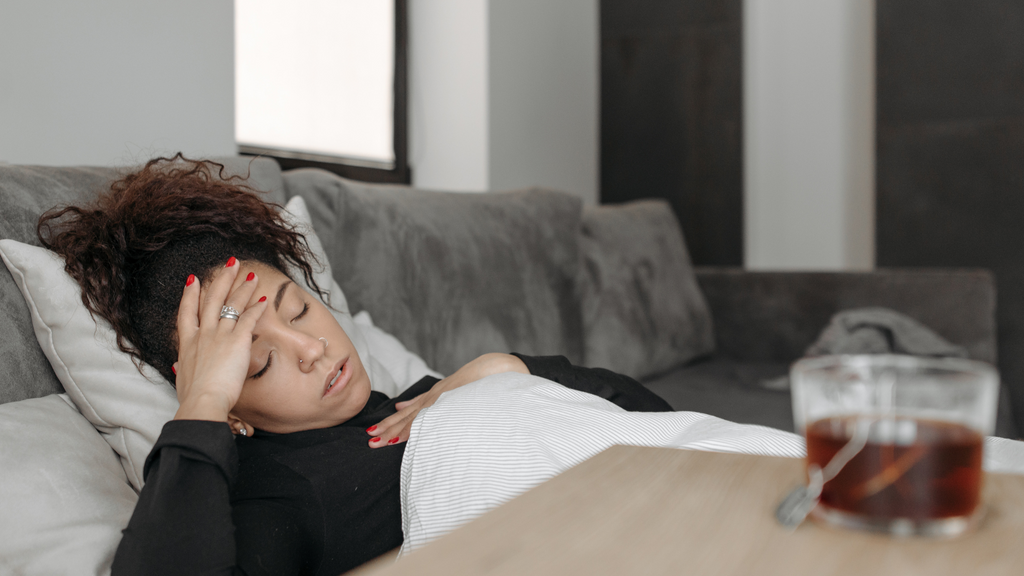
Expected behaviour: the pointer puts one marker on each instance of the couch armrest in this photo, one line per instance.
(774, 316)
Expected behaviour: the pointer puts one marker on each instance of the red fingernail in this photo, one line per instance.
(393, 440)
(191, 279)
(375, 439)
(371, 428)
(231, 262)
(250, 276)
(263, 299)
(173, 370)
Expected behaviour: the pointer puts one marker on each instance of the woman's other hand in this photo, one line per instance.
(214, 352)
(395, 428)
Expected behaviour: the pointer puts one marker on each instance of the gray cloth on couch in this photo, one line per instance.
(643, 312)
(880, 331)
(453, 275)
(875, 330)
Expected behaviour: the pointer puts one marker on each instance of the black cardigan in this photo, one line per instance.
(312, 502)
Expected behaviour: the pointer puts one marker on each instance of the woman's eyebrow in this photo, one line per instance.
(280, 294)
(277, 301)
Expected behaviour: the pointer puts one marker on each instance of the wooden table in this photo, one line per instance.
(632, 510)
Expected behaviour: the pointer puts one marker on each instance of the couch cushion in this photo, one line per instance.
(65, 499)
(262, 175)
(643, 312)
(737, 391)
(453, 275)
(25, 193)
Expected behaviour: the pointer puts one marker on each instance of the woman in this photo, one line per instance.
(280, 458)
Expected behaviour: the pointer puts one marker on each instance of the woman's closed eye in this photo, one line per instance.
(270, 359)
(270, 356)
(305, 308)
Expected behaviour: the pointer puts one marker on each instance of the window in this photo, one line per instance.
(323, 83)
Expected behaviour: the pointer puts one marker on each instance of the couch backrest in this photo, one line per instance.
(453, 275)
(25, 193)
(775, 316)
(643, 312)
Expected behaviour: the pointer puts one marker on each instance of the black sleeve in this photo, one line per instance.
(182, 523)
(617, 388)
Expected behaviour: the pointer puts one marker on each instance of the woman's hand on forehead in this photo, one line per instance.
(215, 343)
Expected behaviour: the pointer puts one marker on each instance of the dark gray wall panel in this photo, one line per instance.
(945, 59)
(950, 160)
(671, 105)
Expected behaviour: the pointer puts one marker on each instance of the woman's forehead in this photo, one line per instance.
(270, 279)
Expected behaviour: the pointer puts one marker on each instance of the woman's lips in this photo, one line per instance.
(340, 376)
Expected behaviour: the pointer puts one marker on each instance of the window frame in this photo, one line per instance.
(356, 168)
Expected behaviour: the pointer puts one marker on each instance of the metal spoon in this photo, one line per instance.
(795, 507)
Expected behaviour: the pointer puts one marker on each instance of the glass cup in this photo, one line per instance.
(897, 440)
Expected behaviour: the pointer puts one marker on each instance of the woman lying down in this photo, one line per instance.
(280, 458)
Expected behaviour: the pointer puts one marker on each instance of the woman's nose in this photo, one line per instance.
(309, 350)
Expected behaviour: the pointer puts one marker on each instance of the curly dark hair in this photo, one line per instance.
(132, 249)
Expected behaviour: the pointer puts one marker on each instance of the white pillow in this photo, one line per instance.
(406, 368)
(130, 408)
(65, 497)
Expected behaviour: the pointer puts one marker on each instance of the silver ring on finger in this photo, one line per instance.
(228, 312)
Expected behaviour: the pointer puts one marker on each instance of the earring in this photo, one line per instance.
(242, 431)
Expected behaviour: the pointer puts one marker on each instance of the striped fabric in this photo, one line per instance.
(485, 443)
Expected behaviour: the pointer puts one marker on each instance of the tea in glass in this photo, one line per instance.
(916, 463)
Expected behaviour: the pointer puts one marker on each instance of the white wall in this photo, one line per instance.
(809, 134)
(448, 107)
(504, 94)
(115, 81)
(544, 90)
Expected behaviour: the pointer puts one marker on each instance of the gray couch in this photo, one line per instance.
(765, 320)
(455, 275)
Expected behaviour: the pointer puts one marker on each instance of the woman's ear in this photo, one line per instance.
(238, 427)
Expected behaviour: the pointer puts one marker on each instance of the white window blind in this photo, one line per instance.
(315, 77)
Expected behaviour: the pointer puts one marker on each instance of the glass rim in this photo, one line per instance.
(897, 361)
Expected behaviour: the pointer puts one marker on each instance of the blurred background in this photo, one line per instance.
(786, 134)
